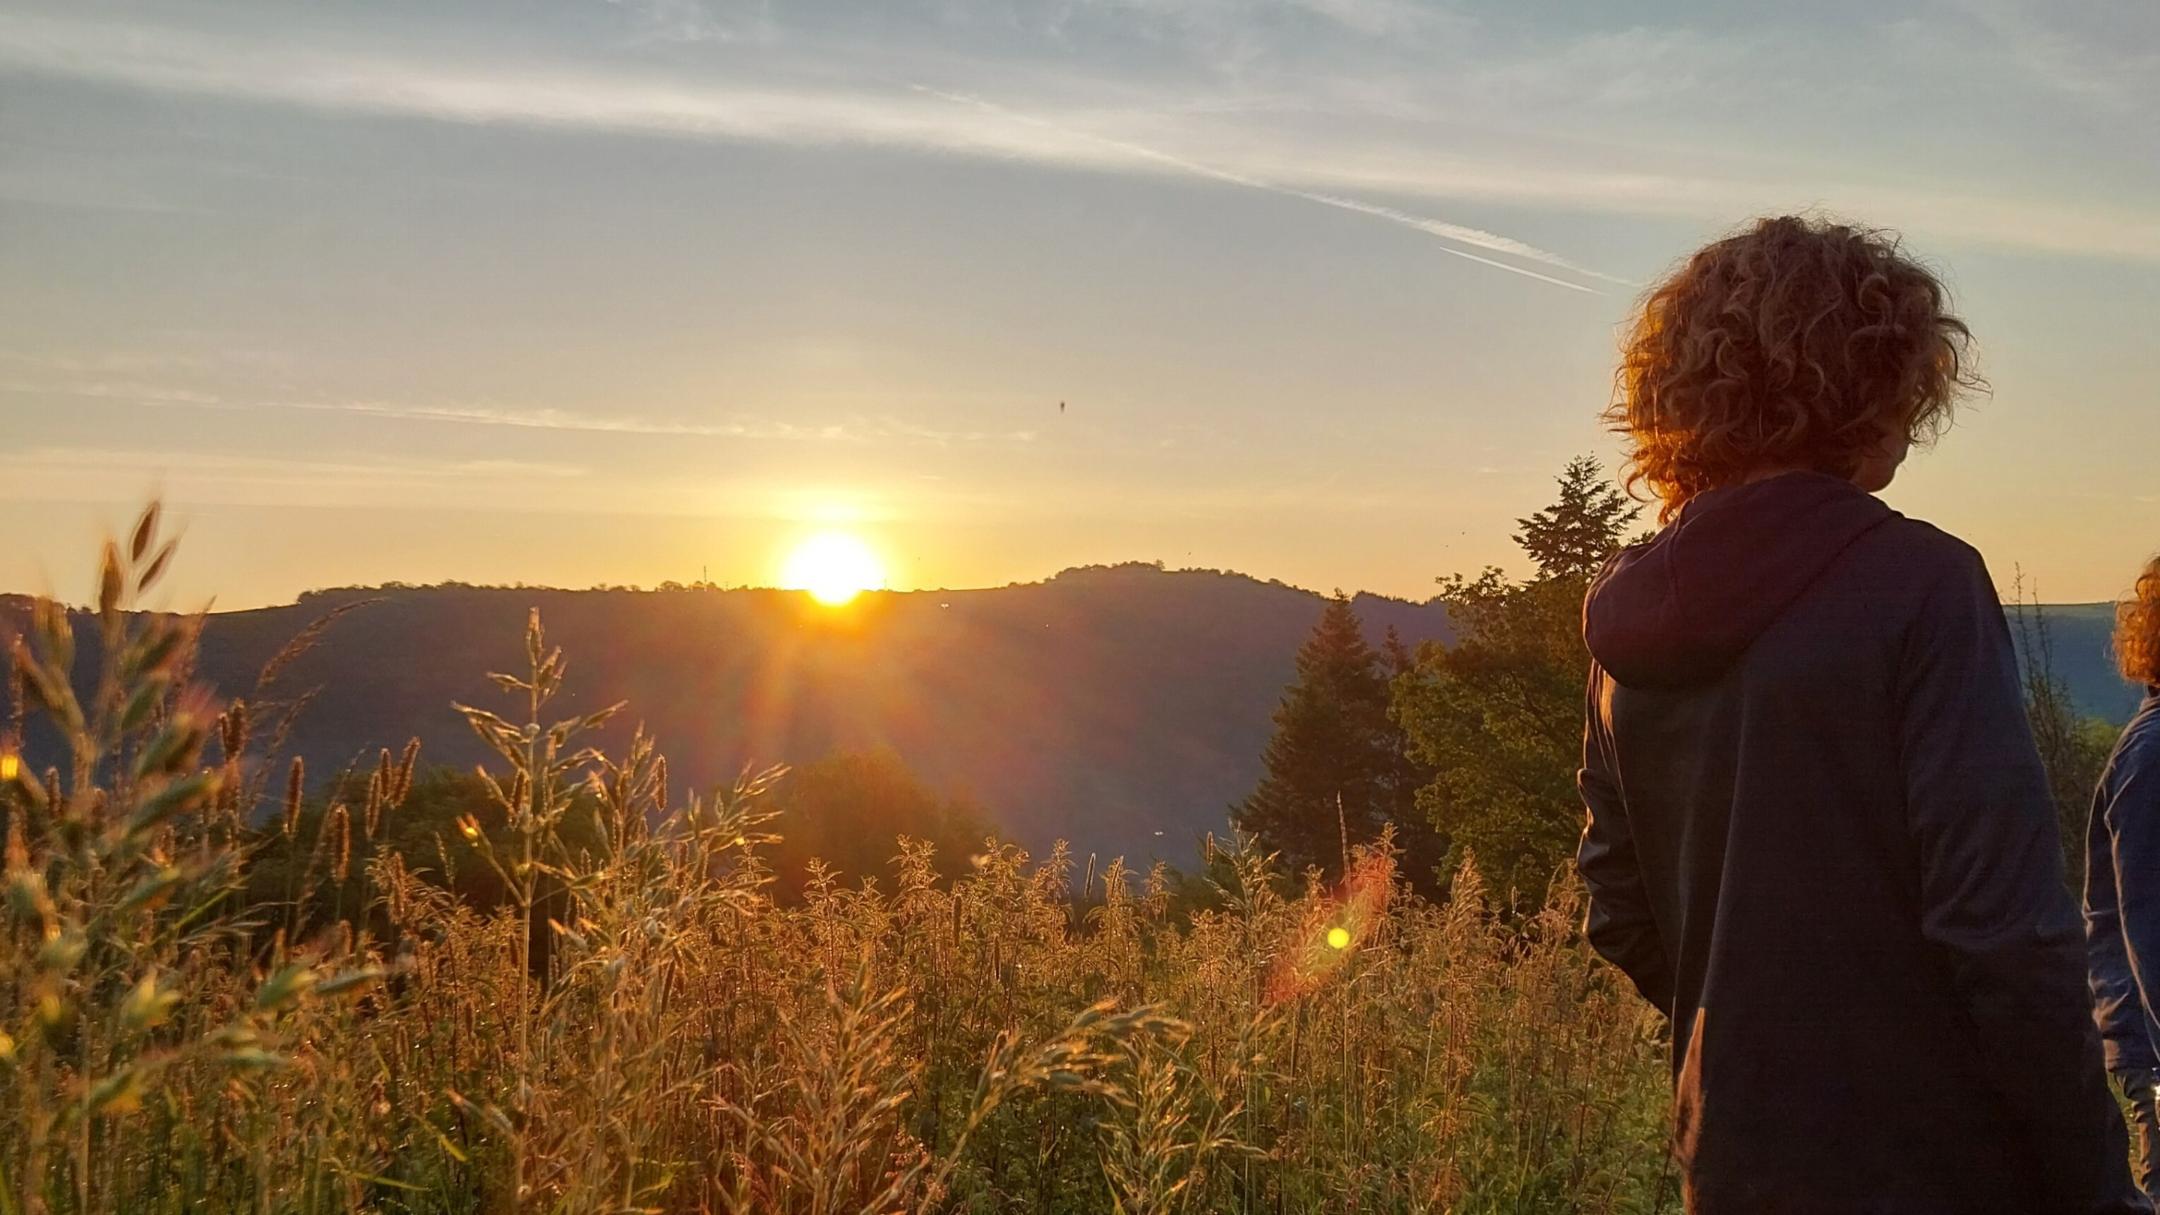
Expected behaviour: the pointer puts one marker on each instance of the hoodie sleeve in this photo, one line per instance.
(2123, 928)
(1992, 895)
(1620, 926)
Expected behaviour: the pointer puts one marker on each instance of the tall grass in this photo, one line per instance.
(639, 1026)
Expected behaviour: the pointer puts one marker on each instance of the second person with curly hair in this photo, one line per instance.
(2122, 882)
(1820, 837)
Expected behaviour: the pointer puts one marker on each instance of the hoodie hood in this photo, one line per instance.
(1681, 607)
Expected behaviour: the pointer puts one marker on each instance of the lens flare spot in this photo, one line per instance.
(9, 766)
(1319, 947)
(833, 567)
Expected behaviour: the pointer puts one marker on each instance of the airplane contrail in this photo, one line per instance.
(1444, 231)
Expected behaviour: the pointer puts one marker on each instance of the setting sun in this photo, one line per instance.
(833, 567)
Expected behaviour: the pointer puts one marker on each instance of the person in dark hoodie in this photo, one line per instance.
(2122, 883)
(1820, 838)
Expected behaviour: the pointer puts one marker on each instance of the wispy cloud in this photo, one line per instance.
(1457, 233)
(62, 471)
(1472, 134)
(2046, 46)
(551, 95)
(968, 124)
(851, 430)
(677, 21)
(197, 476)
(562, 419)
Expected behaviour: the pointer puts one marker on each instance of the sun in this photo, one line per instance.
(833, 567)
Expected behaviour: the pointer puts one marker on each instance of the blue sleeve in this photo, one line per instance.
(2118, 1006)
(1620, 925)
(1992, 895)
(2129, 810)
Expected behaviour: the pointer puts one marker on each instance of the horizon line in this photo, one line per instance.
(671, 587)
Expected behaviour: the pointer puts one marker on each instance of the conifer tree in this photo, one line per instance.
(1573, 537)
(1331, 769)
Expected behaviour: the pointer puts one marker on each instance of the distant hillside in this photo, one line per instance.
(2080, 635)
(1123, 708)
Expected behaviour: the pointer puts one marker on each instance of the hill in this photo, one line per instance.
(2080, 636)
(1123, 708)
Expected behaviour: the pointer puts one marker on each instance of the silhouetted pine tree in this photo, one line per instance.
(1573, 537)
(1331, 766)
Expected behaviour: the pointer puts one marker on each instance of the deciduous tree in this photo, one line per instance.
(1497, 717)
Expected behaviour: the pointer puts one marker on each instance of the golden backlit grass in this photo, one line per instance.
(1004, 1042)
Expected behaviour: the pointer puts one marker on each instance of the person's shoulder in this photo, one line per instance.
(2136, 757)
(1918, 538)
(1924, 554)
(2141, 738)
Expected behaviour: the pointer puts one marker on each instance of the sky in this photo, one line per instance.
(578, 292)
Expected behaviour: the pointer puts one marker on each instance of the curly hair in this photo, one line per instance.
(1797, 343)
(2137, 629)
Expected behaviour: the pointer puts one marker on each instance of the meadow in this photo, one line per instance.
(639, 1024)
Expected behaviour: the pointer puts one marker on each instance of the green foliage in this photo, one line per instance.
(844, 812)
(2074, 748)
(1337, 769)
(1497, 717)
(686, 1043)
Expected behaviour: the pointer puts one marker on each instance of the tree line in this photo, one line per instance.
(1469, 750)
